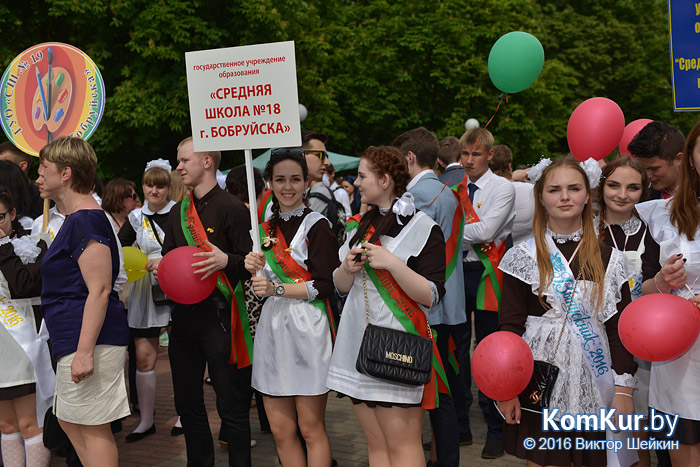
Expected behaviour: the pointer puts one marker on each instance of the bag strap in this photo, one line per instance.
(155, 231)
(563, 326)
(364, 287)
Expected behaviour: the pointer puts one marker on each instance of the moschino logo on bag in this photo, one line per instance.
(398, 357)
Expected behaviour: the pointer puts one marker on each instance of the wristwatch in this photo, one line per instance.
(279, 290)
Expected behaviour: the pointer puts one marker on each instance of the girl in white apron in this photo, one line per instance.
(563, 285)
(623, 184)
(293, 339)
(26, 377)
(145, 229)
(408, 249)
(674, 267)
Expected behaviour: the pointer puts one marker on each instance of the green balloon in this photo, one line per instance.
(515, 61)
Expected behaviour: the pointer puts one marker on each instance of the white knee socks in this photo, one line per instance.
(13, 450)
(146, 389)
(37, 455)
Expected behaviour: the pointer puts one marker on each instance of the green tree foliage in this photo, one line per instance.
(367, 70)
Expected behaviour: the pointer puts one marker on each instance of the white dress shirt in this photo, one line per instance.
(524, 211)
(494, 203)
(342, 196)
(55, 222)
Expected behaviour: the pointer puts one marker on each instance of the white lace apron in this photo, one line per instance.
(586, 379)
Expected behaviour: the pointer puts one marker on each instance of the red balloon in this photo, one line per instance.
(630, 132)
(659, 327)
(502, 365)
(177, 279)
(595, 128)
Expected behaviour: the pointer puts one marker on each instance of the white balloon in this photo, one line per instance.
(303, 113)
(471, 123)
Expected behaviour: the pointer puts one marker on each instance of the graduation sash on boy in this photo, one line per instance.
(241, 340)
(488, 294)
(453, 244)
(290, 272)
(410, 316)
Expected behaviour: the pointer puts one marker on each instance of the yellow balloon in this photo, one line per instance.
(134, 275)
(135, 263)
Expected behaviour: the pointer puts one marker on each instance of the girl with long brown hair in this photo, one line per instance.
(673, 266)
(624, 184)
(293, 339)
(558, 279)
(392, 260)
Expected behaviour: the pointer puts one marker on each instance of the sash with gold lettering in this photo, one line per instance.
(413, 319)
(241, 340)
(12, 318)
(488, 294)
(291, 272)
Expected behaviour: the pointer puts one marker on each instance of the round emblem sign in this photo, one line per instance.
(50, 90)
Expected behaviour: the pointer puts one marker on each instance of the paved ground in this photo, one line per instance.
(347, 440)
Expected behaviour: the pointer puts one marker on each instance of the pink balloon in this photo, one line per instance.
(502, 365)
(630, 132)
(595, 128)
(659, 327)
(177, 279)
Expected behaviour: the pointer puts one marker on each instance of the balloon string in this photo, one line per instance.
(502, 96)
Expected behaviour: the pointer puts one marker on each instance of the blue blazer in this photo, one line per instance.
(451, 309)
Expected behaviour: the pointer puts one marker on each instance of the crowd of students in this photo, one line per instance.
(431, 238)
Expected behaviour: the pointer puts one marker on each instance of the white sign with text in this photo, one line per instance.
(244, 97)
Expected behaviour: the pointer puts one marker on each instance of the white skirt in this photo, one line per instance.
(343, 377)
(143, 313)
(292, 349)
(98, 399)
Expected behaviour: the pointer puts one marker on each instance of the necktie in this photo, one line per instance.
(472, 188)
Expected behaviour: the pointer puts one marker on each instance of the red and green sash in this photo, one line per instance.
(262, 207)
(451, 347)
(453, 245)
(412, 319)
(353, 223)
(241, 340)
(291, 272)
(488, 294)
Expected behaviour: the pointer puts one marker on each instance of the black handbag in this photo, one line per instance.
(394, 355)
(159, 297)
(538, 392)
(55, 439)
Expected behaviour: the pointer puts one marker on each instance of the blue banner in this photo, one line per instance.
(684, 38)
